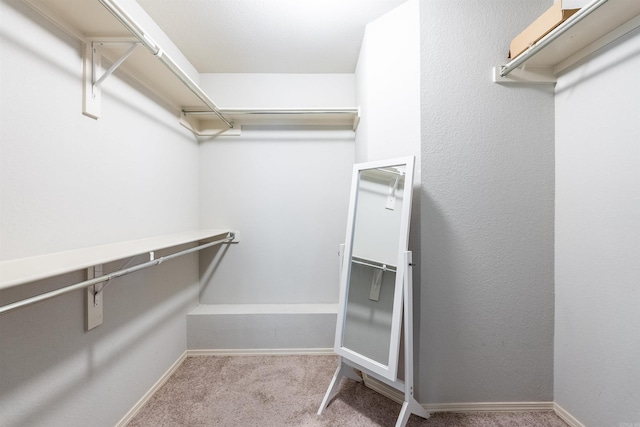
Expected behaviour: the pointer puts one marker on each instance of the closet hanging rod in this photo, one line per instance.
(268, 111)
(153, 47)
(549, 38)
(107, 277)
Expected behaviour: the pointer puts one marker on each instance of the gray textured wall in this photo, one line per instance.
(486, 294)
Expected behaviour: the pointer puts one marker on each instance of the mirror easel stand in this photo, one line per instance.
(348, 368)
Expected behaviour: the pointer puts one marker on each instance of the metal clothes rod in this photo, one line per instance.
(549, 38)
(153, 47)
(268, 111)
(382, 267)
(107, 277)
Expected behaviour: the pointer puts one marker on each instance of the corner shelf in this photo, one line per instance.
(579, 36)
(25, 270)
(105, 35)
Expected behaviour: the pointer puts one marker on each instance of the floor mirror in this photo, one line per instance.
(375, 305)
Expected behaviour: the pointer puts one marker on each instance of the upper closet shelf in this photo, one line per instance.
(107, 31)
(594, 26)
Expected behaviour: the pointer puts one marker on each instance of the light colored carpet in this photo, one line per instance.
(279, 391)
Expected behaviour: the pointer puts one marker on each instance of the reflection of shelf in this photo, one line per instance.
(95, 22)
(374, 264)
(591, 28)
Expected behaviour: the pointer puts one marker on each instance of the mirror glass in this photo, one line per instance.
(369, 321)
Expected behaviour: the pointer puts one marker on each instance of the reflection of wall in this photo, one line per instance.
(377, 229)
(367, 329)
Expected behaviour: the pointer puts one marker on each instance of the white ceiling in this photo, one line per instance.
(268, 36)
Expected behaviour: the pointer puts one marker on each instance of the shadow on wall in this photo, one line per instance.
(210, 260)
(605, 67)
(47, 355)
(438, 295)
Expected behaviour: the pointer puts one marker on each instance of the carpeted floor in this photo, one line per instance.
(278, 391)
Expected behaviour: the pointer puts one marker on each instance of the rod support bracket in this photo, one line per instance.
(94, 299)
(93, 75)
(528, 75)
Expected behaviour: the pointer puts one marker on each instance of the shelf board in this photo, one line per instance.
(610, 21)
(89, 21)
(24, 270)
(209, 124)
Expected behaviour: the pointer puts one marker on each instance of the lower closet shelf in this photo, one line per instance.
(261, 328)
(25, 270)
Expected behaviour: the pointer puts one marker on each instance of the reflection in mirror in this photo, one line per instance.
(376, 283)
(372, 311)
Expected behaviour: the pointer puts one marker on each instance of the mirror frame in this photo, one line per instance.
(389, 371)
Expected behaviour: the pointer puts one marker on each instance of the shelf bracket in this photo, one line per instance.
(94, 299)
(92, 60)
(95, 54)
(529, 75)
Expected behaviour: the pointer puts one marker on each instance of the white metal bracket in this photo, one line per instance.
(92, 66)
(529, 75)
(93, 299)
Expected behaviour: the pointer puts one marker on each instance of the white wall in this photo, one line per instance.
(598, 238)
(388, 87)
(486, 315)
(67, 181)
(133, 172)
(285, 190)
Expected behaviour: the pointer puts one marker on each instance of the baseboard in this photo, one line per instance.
(262, 351)
(382, 388)
(398, 396)
(489, 407)
(566, 416)
(144, 399)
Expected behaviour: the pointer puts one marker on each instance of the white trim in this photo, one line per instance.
(384, 389)
(397, 396)
(149, 394)
(566, 417)
(209, 309)
(262, 352)
(489, 407)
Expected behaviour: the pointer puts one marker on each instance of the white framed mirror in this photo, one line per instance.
(371, 283)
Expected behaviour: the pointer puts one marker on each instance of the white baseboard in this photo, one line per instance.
(261, 351)
(489, 407)
(566, 417)
(144, 399)
(398, 396)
